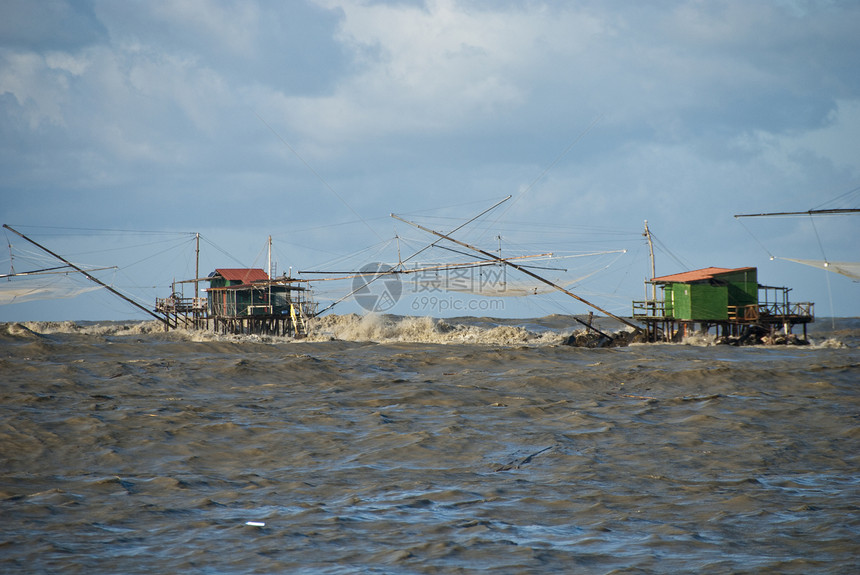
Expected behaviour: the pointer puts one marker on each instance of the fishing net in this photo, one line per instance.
(849, 269)
(36, 288)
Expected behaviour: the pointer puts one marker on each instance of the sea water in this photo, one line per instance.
(415, 445)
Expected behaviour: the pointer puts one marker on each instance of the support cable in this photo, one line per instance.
(826, 264)
(753, 236)
(855, 191)
(818, 238)
(91, 277)
(415, 254)
(525, 271)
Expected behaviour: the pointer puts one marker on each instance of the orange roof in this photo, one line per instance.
(698, 275)
(244, 275)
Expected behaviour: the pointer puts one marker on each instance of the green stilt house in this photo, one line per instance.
(729, 299)
(246, 300)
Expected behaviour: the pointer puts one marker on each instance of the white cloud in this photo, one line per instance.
(230, 24)
(75, 65)
(679, 70)
(435, 68)
(38, 89)
(835, 142)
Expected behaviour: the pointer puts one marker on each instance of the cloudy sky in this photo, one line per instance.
(312, 120)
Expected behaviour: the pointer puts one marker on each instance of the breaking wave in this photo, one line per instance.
(708, 340)
(84, 328)
(548, 331)
(353, 328)
(383, 329)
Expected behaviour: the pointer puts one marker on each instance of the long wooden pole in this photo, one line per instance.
(647, 235)
(832, 212)
(519, 268)
(196, 312)
(90, 277)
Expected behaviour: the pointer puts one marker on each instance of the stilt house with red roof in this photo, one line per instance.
(730, 300)
(246, 300)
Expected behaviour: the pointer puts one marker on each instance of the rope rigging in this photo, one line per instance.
(514, 239)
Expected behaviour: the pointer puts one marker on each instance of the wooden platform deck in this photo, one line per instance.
(660, 326)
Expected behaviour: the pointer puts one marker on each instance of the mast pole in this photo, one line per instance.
(196, 282)
(647, 235)
(399, 258)
(92, 278)
(269, 269)
(269, 274)
(519, 268)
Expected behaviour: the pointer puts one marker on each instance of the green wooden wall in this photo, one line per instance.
(706, 302)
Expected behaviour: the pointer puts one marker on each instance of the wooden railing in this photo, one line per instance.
(743, 312)
(655, 309)
(651, 309)
(756, 312)
(795, 310)
(175, 304)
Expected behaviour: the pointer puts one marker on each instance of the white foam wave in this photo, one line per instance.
(358, 328)
(829, 343)
(379, 328)
(700, 339)
(111, 329)
(102, 329)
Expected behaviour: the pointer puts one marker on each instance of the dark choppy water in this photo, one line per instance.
(441, 448)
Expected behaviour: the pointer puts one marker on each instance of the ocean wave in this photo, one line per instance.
(352, 328)
(85, 328)
(413, 329)
(549, 331)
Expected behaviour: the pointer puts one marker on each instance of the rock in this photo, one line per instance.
(591, 339)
